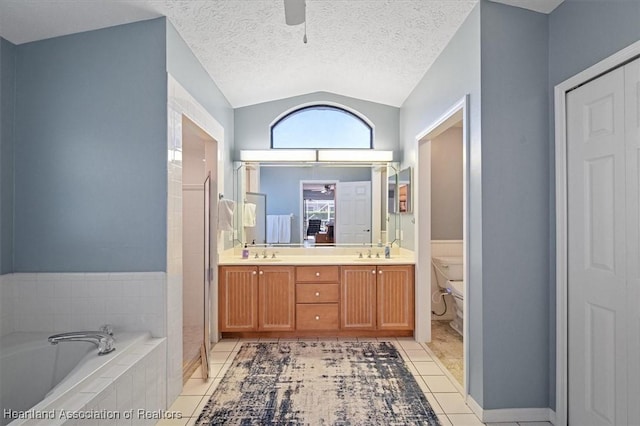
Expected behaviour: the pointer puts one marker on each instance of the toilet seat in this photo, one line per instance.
(456, 287)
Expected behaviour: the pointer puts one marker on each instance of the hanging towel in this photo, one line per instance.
(284, 228)
(272, 229)
(225, 214)
(249, 214)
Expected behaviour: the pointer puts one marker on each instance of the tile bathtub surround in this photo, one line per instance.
(135, 384)
(49, 302)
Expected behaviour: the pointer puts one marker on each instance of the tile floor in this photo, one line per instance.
(438, 385)
(446, 344)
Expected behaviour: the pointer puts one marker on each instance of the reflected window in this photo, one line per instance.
(321, 126)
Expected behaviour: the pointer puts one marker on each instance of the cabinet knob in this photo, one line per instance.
(317, 274)
(373, 271)
(261, 272)
(380, 272)
(254, 272)
(317, 317)
(317, 293)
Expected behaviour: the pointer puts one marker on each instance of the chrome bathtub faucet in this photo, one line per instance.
(104, 341)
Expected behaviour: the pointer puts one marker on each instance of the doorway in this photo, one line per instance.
(442, 236)
(318, 212)
(199, 186)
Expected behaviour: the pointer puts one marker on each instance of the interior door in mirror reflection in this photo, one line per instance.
(353, 212)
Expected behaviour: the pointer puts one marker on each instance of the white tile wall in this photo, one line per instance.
(49, 302)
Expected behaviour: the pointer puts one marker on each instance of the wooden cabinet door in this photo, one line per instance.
(276, 298)
(358, 298)
(238, 298)
(395, 297)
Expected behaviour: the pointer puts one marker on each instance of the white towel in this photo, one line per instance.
(225, 214)
(284, 228)
(272, 229)
(249, 214)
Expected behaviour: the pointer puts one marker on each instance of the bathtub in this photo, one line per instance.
(61, 384)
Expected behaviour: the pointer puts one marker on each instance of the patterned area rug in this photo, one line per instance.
(318, 383)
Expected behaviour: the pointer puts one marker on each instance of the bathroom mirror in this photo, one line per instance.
(400, 191)
(305, 199)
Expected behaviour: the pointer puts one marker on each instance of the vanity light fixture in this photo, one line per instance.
(354, 155)
(278, 155)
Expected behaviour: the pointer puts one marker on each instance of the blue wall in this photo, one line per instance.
(7, 104)
(90, 151)
(515, 205)
(454, 74)
(581, 33)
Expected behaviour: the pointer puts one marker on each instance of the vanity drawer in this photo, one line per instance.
(317, 316)
(314, 274)
(317, 293)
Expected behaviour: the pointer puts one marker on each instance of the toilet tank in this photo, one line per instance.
(450, 266)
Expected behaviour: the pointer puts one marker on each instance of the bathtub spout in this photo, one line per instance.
(104, 341)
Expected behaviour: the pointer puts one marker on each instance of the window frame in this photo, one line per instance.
(320, 106)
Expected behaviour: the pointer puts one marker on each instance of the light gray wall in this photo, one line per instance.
(454, 74)
(90, 151)
(7, 108)
(282, 186)
(446, 185)
(581, 33)
(189, 72)
(252, 123)
(515, 206)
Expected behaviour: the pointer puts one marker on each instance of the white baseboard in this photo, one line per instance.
(505, 415)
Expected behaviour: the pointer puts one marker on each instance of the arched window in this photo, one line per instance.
(321, 126)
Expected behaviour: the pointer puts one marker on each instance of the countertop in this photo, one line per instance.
(404, 257)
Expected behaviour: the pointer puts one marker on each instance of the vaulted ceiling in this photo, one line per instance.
(376, 50)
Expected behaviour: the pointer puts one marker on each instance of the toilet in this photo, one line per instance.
(449, 274)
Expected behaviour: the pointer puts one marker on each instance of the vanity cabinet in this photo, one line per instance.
(238, 298)
(347, 300)
(276, 298)
(395, 297)
(252, 298)
(358, 298)
(377, 297)
(317, 297)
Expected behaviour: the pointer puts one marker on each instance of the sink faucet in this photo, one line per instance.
(273, 254)
(102, 339)
(368, 254)
(264, 254)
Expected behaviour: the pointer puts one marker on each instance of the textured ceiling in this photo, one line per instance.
(377, 50)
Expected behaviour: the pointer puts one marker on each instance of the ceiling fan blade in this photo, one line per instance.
(294, 11)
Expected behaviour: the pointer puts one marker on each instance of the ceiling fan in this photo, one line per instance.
(295, 12)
